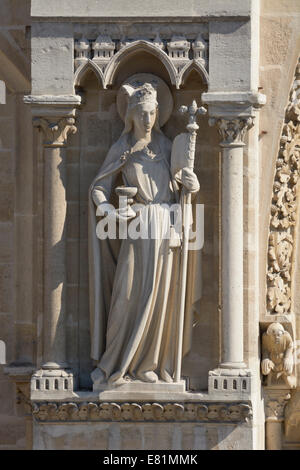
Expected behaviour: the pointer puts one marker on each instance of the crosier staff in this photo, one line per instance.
(183, 156)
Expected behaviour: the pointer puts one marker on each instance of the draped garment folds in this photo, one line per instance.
(134, 282)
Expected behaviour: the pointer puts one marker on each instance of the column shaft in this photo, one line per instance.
(232, 256)
(55, 208)
(273, 435)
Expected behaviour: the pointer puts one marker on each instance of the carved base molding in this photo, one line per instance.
(233, 412)
(234, 382)
(57, 382)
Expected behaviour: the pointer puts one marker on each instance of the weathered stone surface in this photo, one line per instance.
(277, 33)
(12, 432)
(98, 132)
(7, 396)
(133, 8)
(6, 133)
(146, 436)
(6, 242)
(6, 288)
(288, 7)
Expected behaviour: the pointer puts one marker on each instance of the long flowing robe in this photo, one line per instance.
(133, 282)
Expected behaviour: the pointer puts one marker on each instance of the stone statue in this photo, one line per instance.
(133, 281)
(277, 355)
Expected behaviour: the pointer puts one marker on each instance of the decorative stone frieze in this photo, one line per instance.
(158, 41)
(164, 412)
(106, 55)
(200, 50)
(82, 51)
(232, 131)
(283, 209)
(103, 49)
(178, 50)
(56, 133)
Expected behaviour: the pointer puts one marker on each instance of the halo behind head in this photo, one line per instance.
(138, 81)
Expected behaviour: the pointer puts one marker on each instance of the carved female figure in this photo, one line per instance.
(133, 281)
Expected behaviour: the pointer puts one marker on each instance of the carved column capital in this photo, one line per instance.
(232, 131)
(275, 402)
(56, 132)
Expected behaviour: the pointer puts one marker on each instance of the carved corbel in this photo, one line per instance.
(277, 356)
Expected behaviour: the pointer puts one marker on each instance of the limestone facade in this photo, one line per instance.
(62, 64)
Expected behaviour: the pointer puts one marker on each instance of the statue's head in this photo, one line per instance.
(142, 108)
(275, 330)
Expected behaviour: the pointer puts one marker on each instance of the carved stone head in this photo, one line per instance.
(275, 330)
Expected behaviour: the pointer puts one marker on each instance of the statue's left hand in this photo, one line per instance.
(189, 180)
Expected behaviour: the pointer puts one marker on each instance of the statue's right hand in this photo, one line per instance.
(125, 213)
(121, 214)
(266, 366)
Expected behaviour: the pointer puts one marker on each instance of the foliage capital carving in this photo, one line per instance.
(56, 133)
(232, 131)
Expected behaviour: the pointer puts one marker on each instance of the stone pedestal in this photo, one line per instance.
(138, 390)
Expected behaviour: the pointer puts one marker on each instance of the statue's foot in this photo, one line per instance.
(149, 376)
(166, 376)
(97, 376)
(116, 379)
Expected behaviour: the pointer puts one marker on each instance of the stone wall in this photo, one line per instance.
(16, 187)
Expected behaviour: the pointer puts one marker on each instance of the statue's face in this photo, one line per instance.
(144, 117)
(277, 333)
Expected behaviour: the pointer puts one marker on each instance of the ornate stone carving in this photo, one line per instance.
(232, 131)
(82, 49)
(56, 133)
(158, 41)
(283, 208)
(277, 355)
(178, 50)
(200, 50)
(105, 61)
(165, 412)
(103, 49)
(125, 358)
(275, 402)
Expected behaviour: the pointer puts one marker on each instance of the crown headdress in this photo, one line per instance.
(145, 93)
